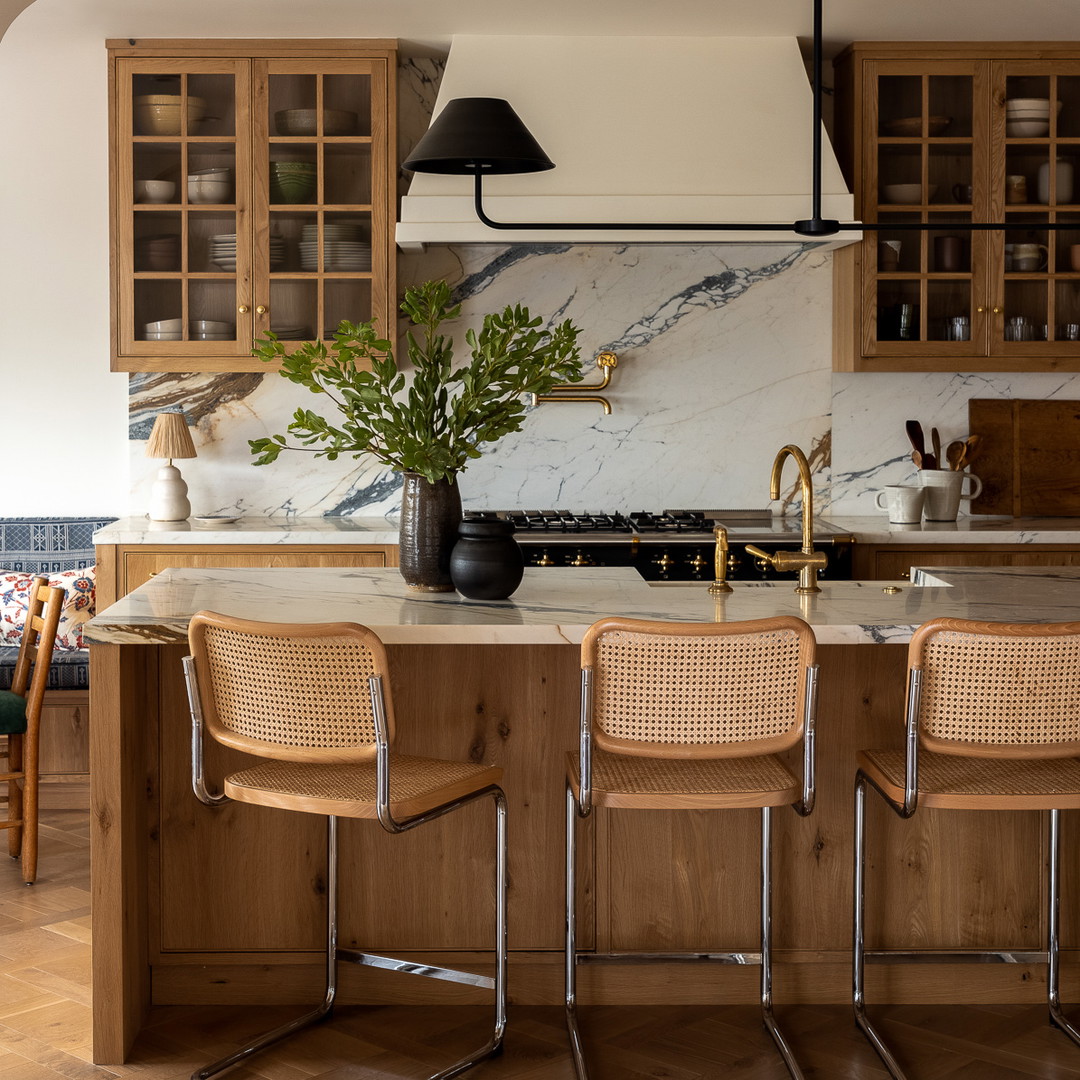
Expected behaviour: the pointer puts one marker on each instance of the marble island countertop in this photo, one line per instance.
(867, 529)
(554, 606)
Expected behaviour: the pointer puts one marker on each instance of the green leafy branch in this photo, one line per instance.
(424, 425)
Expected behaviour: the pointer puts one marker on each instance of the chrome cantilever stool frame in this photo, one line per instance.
(991, 723)
(690, 716)
(330, 754)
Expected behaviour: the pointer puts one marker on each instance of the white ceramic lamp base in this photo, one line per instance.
(168, 496)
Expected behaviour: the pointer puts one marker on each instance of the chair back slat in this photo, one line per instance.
(686, 690)
(31, 676)
(294, 692)
(998, 689)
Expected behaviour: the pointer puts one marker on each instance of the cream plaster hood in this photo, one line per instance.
(677, 129)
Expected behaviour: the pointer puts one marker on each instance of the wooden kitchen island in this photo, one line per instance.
(195, 904)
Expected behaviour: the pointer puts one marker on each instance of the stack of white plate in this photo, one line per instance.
(332, 230)
(337, 255)
(212, 330)
(223, 251)
(292, 333)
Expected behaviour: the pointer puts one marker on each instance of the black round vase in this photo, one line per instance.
(429, 522)
(486, 563)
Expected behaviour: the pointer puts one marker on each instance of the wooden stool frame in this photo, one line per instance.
(498, 983)
(579, 806)
(907, 806)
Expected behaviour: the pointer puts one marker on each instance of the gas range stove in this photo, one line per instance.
(669, 545)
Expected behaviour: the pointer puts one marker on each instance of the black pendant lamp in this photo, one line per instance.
(485, 136)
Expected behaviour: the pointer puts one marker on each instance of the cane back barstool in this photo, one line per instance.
(688, 716)
(313, 701)
(20, 722)
(992, 723)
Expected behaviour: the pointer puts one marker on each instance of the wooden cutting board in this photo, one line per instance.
(1028, 458)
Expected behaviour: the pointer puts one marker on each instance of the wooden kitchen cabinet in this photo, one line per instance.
(123, 568)
(888, 562)
(923, 138)
(290, 228)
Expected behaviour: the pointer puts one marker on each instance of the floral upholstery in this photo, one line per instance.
(61, 548)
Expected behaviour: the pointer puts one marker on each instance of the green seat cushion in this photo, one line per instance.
(12, 713)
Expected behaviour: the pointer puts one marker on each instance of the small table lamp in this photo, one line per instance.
(169, 439)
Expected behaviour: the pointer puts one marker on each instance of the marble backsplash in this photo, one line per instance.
(724, 356)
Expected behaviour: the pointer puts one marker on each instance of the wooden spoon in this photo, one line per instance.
(935, 440)
(917, 458)
(954, 454)
(915, 435)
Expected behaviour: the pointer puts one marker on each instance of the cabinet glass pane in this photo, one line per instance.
(347, 299)
(1026, 310)
(181, 104)
(294, 308)
(948, 310)
(159, 311)
(900, 106)
(949, 170)
(212, 310)
(157, 242)
(950, 106)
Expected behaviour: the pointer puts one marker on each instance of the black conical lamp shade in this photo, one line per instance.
(475, 135)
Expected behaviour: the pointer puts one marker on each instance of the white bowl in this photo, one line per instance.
(1037, 104)
(154, 191)
(220, 172)
(907, 193)
(209, 191)
(173, 336)
(211, 326)
(1026, 129)
(164, 325)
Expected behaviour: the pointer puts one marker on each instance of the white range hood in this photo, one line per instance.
(640, 129)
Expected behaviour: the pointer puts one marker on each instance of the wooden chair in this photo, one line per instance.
(20, 720)
(684, 716)
(313, 703)
(992, 723)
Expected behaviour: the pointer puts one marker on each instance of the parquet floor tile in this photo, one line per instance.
(45, 1021)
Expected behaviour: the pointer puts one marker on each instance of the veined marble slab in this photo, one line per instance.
(555, 606)
(867, 529)
(253, 530)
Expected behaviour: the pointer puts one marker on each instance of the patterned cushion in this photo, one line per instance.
(48, 545)
(68, 671)
(78, 605)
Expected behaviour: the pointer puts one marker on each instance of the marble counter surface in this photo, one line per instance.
(253, 530)
(866, 529)
(555, 606)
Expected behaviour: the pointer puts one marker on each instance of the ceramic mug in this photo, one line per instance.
(888, 254)
(948, 253)
(1029, 256)
(904, 503)
(1016, 189)
(943, 489)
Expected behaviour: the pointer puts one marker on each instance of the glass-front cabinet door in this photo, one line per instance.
(250, 193)
(322, 175)
(181, 210)
(924, 290)
(1035, 168)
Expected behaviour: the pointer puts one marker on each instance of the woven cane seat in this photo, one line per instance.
(417, 785)
(969, 783)
(644, 783)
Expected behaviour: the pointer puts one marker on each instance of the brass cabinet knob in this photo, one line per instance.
(243, 309)
(261, 310)
(980, 309)
(997, 310)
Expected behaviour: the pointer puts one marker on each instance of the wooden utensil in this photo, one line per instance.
(954, 454)
(935, 440)
(917, 458)
(915, 435)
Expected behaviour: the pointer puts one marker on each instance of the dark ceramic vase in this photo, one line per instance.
(430, 514)
(486, 563)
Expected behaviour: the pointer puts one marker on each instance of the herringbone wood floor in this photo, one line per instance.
(45, 1020)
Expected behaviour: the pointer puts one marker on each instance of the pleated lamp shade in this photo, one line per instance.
(170, 437)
